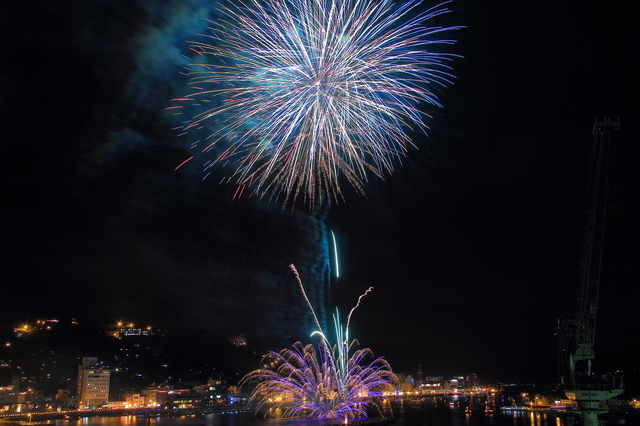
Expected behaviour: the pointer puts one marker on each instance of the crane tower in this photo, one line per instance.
(577, 330)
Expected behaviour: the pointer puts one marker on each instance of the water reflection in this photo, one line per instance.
(471, 410)
(457, 410)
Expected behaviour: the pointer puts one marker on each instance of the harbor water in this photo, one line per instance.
(431, 411)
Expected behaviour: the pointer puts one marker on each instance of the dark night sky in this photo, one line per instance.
(472, 247)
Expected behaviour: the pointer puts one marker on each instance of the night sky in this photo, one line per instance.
(472, 246)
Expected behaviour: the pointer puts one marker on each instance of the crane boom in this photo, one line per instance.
(590, 266)
(577, 332)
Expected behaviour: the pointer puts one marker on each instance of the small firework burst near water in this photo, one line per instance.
(330, 381)
(299, 94)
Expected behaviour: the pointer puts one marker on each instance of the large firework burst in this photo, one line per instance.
(304, 91)
(332, 381)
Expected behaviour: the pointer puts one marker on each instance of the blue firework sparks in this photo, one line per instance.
(303, 92)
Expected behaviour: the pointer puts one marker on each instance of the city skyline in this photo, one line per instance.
(77, 337)
(49, 361)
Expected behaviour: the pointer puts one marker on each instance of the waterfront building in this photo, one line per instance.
(432, 385)
(8, 399)
(149, 397)
(215, 393)
(473, 381)
(93, 383)
(405, 384)
(65, 400)
(180, 399)
(30, 400)
(132, 399)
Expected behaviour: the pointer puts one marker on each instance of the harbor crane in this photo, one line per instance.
(589, 391)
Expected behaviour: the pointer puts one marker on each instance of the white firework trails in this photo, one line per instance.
(305, 91)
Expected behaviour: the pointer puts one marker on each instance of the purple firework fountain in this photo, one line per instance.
(323, 381)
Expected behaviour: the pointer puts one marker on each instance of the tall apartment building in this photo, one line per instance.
(93, 383)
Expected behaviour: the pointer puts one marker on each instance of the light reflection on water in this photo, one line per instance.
(229, 419)
(431, 411)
